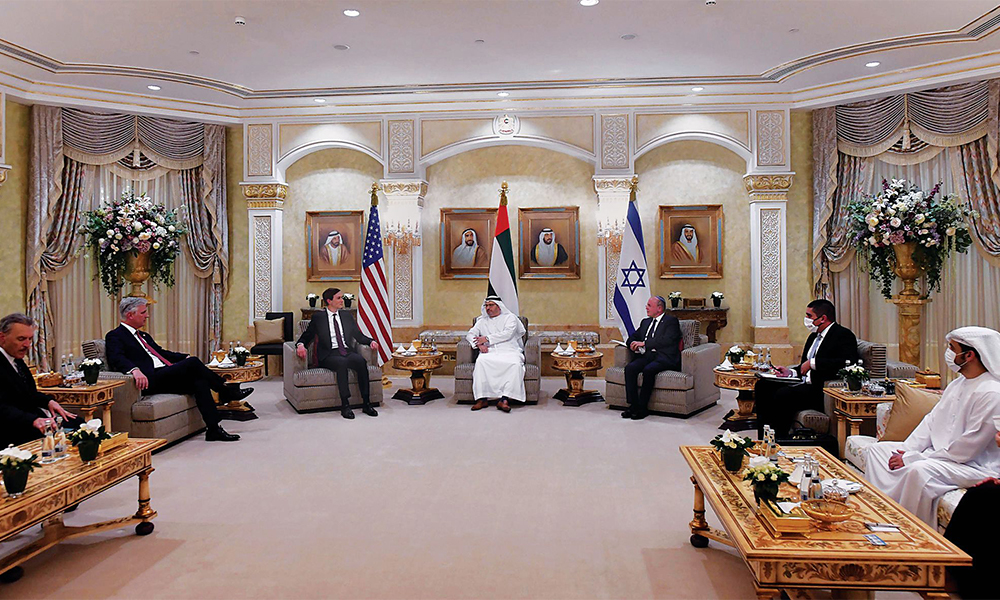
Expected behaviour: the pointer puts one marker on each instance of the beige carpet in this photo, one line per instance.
(427, 501)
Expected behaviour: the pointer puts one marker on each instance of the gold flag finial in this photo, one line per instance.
(375, 189)
(503, 194)
(633, 187)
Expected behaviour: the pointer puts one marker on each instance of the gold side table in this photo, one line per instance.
(238, 410)
(743, 381)
(575, 367)
(852, 409)
(420, 367)
(87, 398)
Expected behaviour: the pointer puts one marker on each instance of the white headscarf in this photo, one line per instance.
(986, 342)
(545, 254)
(692, 246)
(334, 253)
(465, 255)
(504, 311)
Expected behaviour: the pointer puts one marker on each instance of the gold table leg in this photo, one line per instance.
(106, 416)
(841, 431)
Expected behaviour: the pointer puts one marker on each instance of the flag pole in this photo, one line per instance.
(375, 189)
(633, 187)
(503, 194)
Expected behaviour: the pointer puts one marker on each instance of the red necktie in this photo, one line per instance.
(151, 350)
(340, 338)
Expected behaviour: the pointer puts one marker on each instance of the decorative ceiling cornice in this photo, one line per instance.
(974, 31)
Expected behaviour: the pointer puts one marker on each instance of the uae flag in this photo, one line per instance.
(503, 279)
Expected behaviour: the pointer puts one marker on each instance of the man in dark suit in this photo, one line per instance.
(24, 411)
(657, 344)
(828, 349)
(337, 335)
(159, 371)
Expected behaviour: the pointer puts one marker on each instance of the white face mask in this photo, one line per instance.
(812, 327)
(949, 359)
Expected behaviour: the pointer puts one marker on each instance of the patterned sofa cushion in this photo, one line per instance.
(854, 450)
(947, 505)
(561, 337)
(665, 380)
(443, 336)
(319, 376)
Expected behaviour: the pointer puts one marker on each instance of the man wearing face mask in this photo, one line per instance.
(827, 349)
(954, 445)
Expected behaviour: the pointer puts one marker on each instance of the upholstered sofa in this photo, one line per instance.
(874, 358)
(465, 363)
(309, 388)
(676, 393)
(854, 456)
(166, 416)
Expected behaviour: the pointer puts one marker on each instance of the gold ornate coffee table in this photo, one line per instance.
(420, 366)
(743, 381)
(842, 560)
(87, 398)
(575, 367)
(239, 410)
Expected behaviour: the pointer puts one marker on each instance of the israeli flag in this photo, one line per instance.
(632, 286)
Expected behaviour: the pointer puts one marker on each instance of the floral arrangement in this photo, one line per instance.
(903, 213)
(854, 372)
(735, 354)
(91, 431)
(717, 295)
(731, 441)
(312, 297)
(761, 470)
(132, 224)
(91, 362)
(13, 459)
(240, 351)
(674, 296)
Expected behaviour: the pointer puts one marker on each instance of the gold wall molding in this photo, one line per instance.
(768, 184)
(404, 188)
(265, 191)
(605, 184)
(3, 174)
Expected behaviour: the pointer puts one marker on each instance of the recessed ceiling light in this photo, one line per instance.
(194, 53)
(697, 88)
(352, 12)
(319, 100)
(155, 88)
(503, 94)
(342, 47)
(589, 2)
(629, 36)
(241, 21)
(872, 64)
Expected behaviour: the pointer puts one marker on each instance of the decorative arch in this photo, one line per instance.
(467, 145)
(701, 136)
(304, 150)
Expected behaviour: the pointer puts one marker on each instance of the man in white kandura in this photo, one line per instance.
(953, 446)
(499, 371)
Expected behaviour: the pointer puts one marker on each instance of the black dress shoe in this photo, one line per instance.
(218, 434)
(626, 414)
(370, 411)
(347, 413)
(237, 393)
(638, 416)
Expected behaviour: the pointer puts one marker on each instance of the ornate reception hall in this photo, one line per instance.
(698, 243)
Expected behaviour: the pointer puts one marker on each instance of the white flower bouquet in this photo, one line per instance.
(735, 354)
(717, 295)
(674, 296)
(13, 458)
(732, 441)
(91, 431)
(91, 362)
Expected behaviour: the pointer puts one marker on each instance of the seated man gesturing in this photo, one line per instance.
(337, 333)
(159, 371)
(499, 371)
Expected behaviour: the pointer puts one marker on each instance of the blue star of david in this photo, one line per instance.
(632, 286)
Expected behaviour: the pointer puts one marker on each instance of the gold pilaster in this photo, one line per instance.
(264, 195)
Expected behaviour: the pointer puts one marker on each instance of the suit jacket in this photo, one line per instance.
(126, 353)
(838, 347)
(666, 340)
(319, 328)
(20, 404)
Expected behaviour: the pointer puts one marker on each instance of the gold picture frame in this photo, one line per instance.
(330, 259)
(549, 243)
(461, 259)
(689, 241)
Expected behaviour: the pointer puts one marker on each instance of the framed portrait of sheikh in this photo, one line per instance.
(334, 245)
(466, 242)
(549, 243)
(689, 241)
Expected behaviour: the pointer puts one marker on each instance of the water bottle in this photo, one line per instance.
(815, 487)
(48, 446)
(60, 441)
(62, 366)
(806, 481)
(70, 365)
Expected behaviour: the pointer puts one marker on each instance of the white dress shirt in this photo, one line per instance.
(331, 317)
(817, 343)
(10, 359)
(652, 327)
(157, 363)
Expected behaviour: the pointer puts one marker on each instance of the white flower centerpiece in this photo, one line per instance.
(88, 438)
(675, 298)
(91, 368)
(854, 375)
(312, 299)
(16, 464)
(765, 477)
(240, 355)
(717, 298)
(732, 447)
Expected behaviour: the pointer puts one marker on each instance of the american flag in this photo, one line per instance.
(374, 308)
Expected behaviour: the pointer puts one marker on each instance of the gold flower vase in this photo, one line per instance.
(908, 302)
(137, 272)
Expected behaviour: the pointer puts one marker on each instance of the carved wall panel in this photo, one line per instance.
(614, 142)
(770, 138)
(401, 146)
(770, 263)
(259, 143)
(261, 265)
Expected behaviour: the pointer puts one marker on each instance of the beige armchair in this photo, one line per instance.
(308, 389)
(676, 393)
(465, 363)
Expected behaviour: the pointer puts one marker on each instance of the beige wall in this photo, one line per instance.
(334, 179)
(236, 304)
(13, 206)
(800, 213)
(701, 173)
(537, 178)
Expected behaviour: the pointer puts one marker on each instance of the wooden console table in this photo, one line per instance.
(712, 318)
(55, 487)
(852, 409)
(841, 560)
